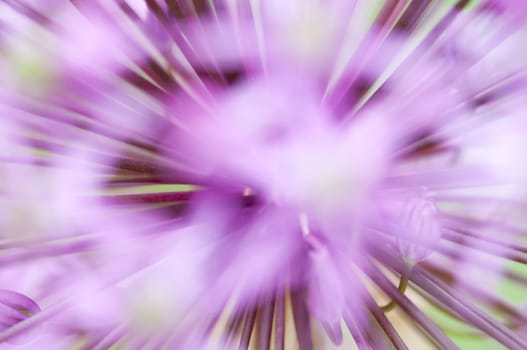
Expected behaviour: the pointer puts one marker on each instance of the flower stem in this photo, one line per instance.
(403, 284)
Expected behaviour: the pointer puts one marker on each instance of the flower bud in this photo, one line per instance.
(420, 229)
(15, 308)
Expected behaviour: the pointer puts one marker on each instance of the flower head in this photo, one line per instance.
(261, 174)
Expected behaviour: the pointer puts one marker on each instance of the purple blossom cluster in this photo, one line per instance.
(262, 174)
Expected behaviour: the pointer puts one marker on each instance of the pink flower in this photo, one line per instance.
(260, 174)
(420, 229)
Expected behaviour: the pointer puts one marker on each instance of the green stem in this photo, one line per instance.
(403, 284)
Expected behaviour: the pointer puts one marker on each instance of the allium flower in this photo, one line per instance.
(263, 174)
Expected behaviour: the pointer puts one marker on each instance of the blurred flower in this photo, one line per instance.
(262, 174)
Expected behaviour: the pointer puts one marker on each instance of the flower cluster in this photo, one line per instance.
(263, 174)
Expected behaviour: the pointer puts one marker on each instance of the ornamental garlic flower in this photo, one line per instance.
(263, 174)
(420, 229)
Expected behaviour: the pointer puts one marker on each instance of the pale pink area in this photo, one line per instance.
(327, 296)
